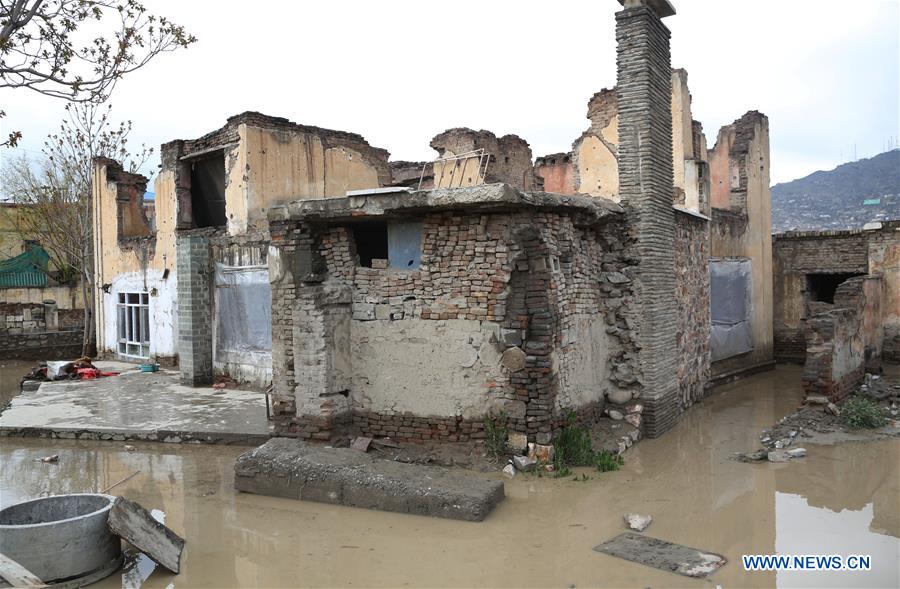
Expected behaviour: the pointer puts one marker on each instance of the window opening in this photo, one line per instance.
(208, 190)
(371, 240)
(134, 324)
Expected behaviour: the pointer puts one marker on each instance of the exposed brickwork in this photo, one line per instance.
(692, 291)
(844, 339)
(532, 275)
(646, 186)
(194, 308)
(795, 255)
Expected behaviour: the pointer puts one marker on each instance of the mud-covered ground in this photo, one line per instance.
(824, 423)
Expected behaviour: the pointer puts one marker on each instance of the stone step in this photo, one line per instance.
(285, 467)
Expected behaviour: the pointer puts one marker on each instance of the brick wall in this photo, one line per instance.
(194, 309)
(844, 339)
(644, 92)
(692, 292)
(40, 332)
(795, 255)
(522, 281)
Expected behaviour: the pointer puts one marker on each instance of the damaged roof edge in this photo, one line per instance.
(485, 197)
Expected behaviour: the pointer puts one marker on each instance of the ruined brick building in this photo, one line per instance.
(837, 304)
(414, 299)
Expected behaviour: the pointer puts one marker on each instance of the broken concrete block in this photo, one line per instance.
(634, 419)
(136, 526)
(524, 463)
(509, 471)
(361, 443)
(662, 555)
(797, 452)
(285, 467)
(833, 409)
(513, 359)
(637, 522)
(616, 414)
(636, 408)
(517, 441)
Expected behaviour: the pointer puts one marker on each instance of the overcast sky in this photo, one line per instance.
(827, 73)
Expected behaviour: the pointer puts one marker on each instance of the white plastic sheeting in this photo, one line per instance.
(243, 309)
(731, 295)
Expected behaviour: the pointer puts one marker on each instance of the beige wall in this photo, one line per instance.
(755, 242)
(272, 166)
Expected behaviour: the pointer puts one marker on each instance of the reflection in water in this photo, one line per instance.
(804, 529)
(542, 535)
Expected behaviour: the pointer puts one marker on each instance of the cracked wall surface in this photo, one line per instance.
(516, 311)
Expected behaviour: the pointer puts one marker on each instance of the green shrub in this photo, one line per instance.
(495, 435)
(859, 413)
(573, 447)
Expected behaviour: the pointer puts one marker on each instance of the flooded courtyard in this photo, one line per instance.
(840, 499)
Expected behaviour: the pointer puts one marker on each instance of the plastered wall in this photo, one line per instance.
(742, 225)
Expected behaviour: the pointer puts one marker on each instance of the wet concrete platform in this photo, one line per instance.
(137, 406)
(296, 470)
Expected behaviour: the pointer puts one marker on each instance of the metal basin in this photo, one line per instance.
(60, 537)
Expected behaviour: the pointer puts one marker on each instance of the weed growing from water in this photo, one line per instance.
(495, 435)
(860, 413)
(573, 447)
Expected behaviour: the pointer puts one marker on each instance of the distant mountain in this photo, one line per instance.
(846, 197)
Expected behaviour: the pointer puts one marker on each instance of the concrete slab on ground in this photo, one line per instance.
(663, 555)
(284, 467)
(137, 406)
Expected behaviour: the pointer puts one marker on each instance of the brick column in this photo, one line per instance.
(194, 309)
(646, 189)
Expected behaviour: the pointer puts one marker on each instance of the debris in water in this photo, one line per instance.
(662, 555)
(509, 470)
(51, 458)
(129, 448)
(638, 522)
(785, 455)
(135, 525)
(751, 456)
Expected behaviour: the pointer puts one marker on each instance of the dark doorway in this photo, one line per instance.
(821, 287)
(371, 242)
(208, 190)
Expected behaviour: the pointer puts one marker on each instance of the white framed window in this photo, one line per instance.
(134, 324)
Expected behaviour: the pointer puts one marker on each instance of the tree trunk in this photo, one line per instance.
(88, 342)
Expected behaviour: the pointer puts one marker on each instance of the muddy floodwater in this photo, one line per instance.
(841, 499)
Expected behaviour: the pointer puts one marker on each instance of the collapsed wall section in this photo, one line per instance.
(844, 339)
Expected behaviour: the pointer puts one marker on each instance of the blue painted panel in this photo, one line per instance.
(404, 245)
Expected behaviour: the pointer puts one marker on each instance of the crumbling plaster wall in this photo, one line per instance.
(500, 316)
(797, 254)
(742, 224)
(844, 339)
(135, 264)
(592, 166)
